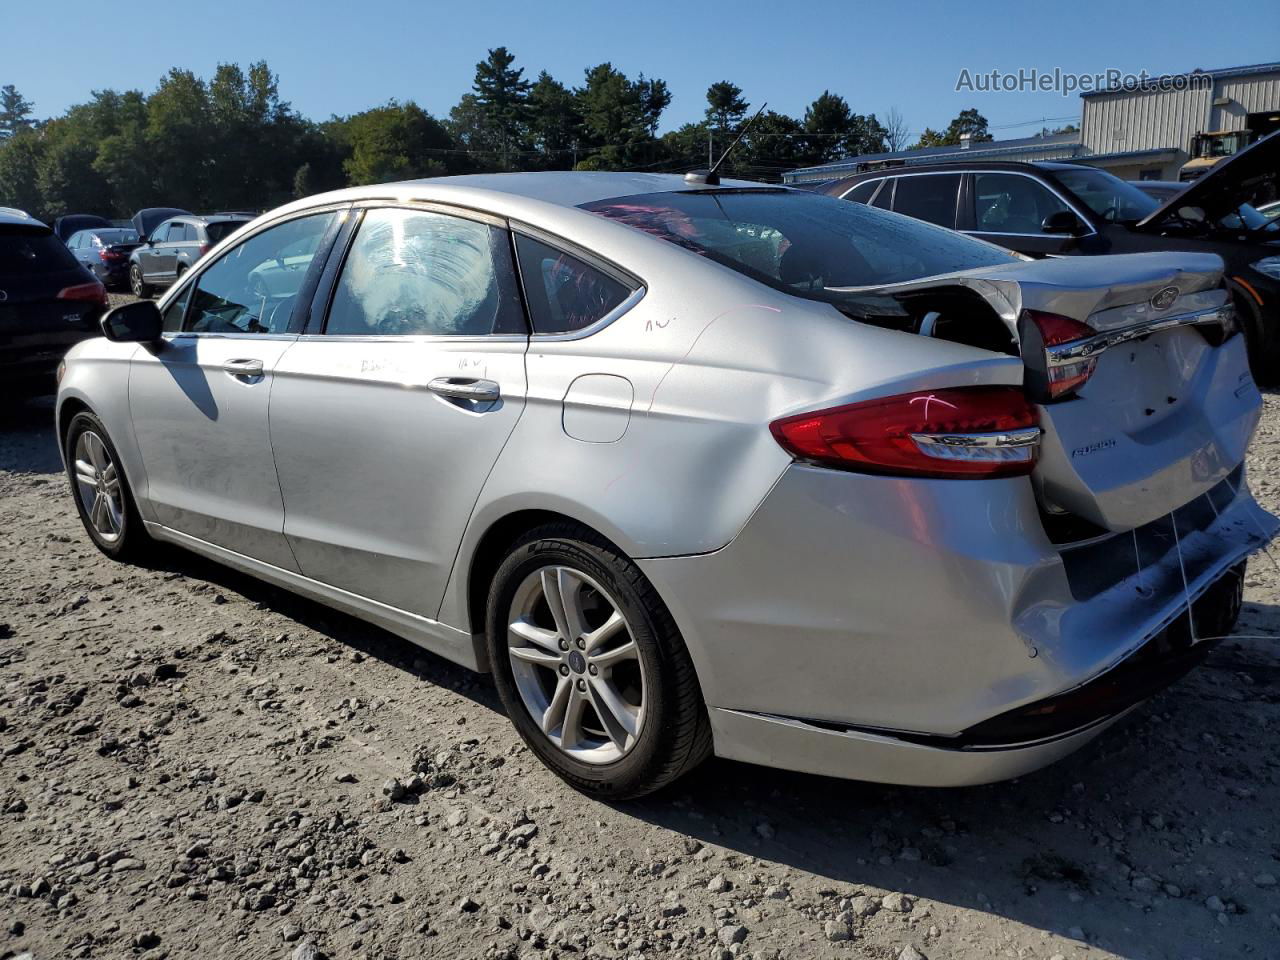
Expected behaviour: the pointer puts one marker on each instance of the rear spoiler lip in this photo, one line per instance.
(1086, 347)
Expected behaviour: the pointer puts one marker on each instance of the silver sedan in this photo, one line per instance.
(698, 467)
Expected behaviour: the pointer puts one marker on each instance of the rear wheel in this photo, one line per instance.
(591, 667)
(1260, 341)
(101, 491)
(139, 286)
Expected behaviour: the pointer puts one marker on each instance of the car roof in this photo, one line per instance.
(13, 217)
(574, 188)
(954, 167)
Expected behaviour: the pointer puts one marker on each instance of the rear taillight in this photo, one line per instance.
(204, 248)
(95, 292)
(1058, 352)
(953, 432)
(107, 255)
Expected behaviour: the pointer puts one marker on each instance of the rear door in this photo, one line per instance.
(931, 197)
(199, 403)
(1009, 209)
(386, 420)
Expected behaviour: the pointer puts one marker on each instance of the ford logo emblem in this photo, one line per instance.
(1163, 299)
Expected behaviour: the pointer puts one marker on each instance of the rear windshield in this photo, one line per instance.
(117, 236)
(24, 252)
(222, 228)
(799, 242)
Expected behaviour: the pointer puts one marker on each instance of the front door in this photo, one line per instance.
(1009, 210)
(386, 424)
(199, 402)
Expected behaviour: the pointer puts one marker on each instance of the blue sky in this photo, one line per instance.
(340, 57)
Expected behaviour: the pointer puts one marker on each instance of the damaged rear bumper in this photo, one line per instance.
(928, 633)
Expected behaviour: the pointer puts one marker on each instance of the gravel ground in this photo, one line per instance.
(193, 764)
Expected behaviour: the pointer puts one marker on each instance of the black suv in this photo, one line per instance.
(48, 302)
(1068, 209)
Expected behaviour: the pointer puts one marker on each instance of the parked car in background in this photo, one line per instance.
(104, 252)
(48, 302)
(67, 226)
(147, 219)
(698, 468)
(174, 246)
(1067, 209)
(1161, 190)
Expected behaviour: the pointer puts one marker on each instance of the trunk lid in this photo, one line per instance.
(1170, 406)
(1250, 177)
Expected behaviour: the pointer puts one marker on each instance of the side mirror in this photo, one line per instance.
(1062, 221)
(137, 322)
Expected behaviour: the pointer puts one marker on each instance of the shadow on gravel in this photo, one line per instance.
(27, 441)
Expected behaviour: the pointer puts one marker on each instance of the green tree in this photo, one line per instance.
(930, 137)
(20, 158)
(725, 106)
(619, 117)
(554, 122)
(833, 131)
(395, 142)
(180, 131)
(15, 112)
(502, 96)
(969, 122)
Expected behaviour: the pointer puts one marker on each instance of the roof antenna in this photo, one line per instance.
(709, 177)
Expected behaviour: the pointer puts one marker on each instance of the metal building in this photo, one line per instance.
(1169, 128)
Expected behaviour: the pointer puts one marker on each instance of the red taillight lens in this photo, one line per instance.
(1068, 362)
(954, 432)
(85, 291)
(204, 248)
(107, 255)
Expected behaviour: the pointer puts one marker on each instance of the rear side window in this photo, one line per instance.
(863, 191)
(564, 293)
(930, 197)
(420, 273)
(24, 252)
(884, 199)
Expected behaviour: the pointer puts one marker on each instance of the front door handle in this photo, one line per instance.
(243, 368)
(465, 388)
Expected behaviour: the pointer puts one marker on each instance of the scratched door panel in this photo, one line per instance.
(378, 472)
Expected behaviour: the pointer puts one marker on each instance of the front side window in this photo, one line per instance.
(252, 287)
(161, 233)
(565, 293)
(420, 273)
(1108, 196)
(930, 197)
(802, 243)
(1010, 203)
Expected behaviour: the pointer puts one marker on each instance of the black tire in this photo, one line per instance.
(1260, 339)
(133, 542)
(139, 286)
(676, 734)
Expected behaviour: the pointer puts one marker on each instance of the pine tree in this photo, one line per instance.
(15, 111)
(502, 94)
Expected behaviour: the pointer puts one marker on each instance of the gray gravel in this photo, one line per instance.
(193, 764)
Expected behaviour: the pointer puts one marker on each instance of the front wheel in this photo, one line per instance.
(139, 286)
(101, 490)
(590, 665)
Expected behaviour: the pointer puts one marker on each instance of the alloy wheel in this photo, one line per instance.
(135, 280)
(576, 664)
(98, 486)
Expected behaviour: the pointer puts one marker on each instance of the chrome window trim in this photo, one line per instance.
(632, 299)
(1011, 173)
(638, 286)
(436, 206)
(413, 338)
(1087, 347)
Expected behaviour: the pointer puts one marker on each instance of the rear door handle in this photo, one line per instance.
(243, 368)
(465, 388)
